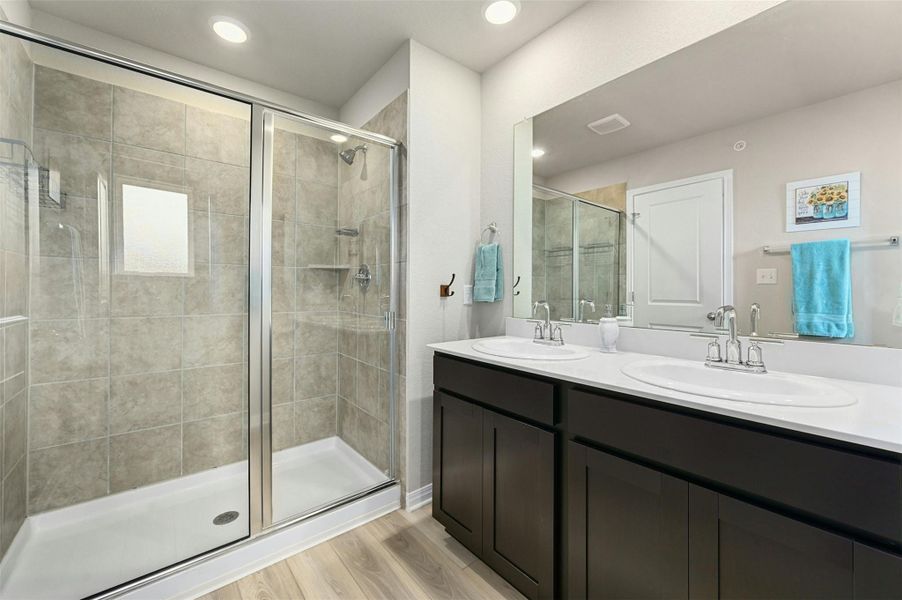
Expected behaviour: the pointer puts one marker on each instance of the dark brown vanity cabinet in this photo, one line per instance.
(653, 500)
(646, 519)
(636, 532)
(494, 475)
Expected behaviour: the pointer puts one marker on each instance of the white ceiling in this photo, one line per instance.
(321, 50)
(793, 55)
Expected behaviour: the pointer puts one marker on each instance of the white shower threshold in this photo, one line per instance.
(83, 549)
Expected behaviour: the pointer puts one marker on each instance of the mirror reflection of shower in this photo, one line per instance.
(350, 154)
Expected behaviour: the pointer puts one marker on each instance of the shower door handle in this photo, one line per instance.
(390, 320)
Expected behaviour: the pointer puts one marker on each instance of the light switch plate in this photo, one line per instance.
(766, 276)
(468, 294)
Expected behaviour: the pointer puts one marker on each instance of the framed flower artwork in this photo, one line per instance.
(824, 203)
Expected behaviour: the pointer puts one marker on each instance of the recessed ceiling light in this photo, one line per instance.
(229, 29)
(538, 153)
(339, 139)
(499, 12)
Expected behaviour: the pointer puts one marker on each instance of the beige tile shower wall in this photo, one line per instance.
(364, 361)
(15, 124)
(539, 268)
(599, 257)
(135, 378)
(559, 257)
(305, 290)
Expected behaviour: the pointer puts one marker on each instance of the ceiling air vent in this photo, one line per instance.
(609, 124)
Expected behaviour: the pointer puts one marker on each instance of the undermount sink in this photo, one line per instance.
(527, 350)
(758, 388)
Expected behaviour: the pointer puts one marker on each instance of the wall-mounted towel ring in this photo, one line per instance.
(444, 289)
(516, 283)
(492, 229)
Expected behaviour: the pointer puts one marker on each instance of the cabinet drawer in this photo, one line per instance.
(858, 491)
(516, 394)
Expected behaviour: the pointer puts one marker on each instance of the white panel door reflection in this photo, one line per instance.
(678, 248)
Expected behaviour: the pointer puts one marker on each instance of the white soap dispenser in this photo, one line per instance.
(610, 330)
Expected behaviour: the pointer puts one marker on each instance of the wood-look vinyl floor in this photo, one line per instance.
(400, 556)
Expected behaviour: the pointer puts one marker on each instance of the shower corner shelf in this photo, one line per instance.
(329, 267)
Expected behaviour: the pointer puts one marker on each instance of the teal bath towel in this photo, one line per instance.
(489, 281)
(822, 289)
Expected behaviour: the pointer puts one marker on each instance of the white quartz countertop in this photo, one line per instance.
(874, 421)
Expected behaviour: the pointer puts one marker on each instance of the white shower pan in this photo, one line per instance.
(83, 549)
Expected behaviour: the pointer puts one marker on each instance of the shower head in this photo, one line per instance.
(349, 154)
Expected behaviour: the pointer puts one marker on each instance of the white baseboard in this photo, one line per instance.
(269, 549)
(418, 498)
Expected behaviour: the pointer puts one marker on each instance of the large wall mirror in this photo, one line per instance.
(731, 172)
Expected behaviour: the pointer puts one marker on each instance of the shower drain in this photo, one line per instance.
(225, 518)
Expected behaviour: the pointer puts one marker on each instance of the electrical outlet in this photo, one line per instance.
(766, 276)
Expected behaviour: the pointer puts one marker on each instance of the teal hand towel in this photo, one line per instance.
(822, 289)
(488, 285)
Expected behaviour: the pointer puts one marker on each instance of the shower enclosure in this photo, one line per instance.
(578, 253)
(197, 318)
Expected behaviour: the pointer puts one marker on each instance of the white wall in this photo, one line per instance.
(74, 32)
(791, 146)
(386, 84)
(592, 46)
(443, 225)
(17, 11)
(441, 220)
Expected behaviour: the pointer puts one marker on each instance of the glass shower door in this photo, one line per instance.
(332, 409)
(601, 273)
(552, 251)
(130, 417)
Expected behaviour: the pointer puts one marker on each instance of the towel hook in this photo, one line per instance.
(444, 289)
(516, 283)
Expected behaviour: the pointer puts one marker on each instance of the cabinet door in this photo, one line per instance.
(743, 551)
(457, 468)
(627, 529)
(518, 518)
(878, 574)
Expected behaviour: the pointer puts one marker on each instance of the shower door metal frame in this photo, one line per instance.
(262, 151)
(259, 297)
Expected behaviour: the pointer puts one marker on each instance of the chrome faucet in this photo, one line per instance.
(546, 324)
(733, 345)
(755, 317)
(546, 332)
(582, 308)
(755, 362)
